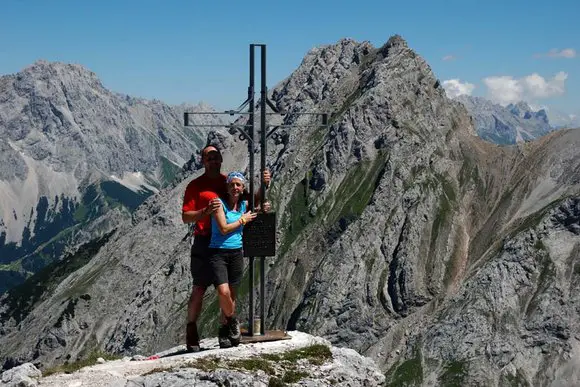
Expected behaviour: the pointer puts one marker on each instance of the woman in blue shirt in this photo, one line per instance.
(226, 255)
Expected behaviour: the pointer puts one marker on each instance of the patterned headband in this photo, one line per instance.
(236, 175)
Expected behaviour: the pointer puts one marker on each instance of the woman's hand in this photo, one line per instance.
(247, 217)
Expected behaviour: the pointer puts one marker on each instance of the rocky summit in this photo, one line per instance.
(402, 234)
(303, 358)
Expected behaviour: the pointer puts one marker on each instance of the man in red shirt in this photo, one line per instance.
(201, 199)
(198, 205)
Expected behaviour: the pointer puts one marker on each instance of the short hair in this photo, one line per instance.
(205, 151)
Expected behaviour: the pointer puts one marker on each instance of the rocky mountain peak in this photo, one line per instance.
(57, 69)
(400, 234)
(542, 115)
(62, 132)
(44, 78)
(395, 43)
(519, 109)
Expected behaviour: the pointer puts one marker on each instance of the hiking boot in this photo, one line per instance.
(192, 337)
(224, 336)
(235, 334)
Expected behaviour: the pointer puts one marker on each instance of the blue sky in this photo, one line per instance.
(187, 51)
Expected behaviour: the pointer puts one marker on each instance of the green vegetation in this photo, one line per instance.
(355, 190)
(547, 274)
(362, 190)
(81, 213)
(169, 171)
(316, 354)
(298, 213)
(206, 364)
(380, 293)
(294, 376)
(22, 298)
(89, 360)
(282, 367)
(275, 382)
(470, 173)
(408, 373)
(48, 222)
(253, 364)
(454, 374)
(117, 195)
(54, 230)
(442, 214)
(14, 265)
(446, 201)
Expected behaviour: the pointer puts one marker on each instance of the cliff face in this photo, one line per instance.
(402, 234)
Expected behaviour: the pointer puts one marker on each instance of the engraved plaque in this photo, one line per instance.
(259, 237)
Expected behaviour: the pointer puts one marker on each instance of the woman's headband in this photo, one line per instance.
(236, 175)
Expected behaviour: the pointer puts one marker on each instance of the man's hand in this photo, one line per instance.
(267, 206)
(266, 178)
(212, 206)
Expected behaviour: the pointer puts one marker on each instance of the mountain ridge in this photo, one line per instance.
(401, 234)
(74, 152)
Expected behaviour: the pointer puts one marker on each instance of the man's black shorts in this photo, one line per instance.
(201, 270)
(227, 266)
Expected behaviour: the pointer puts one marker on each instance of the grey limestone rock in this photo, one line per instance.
(24, 375)
(401, 235)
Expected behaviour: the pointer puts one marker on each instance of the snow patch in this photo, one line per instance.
(135, 181)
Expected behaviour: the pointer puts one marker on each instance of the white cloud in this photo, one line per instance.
(507, 89)
(449, 57)
(556, 53)
(454, 88)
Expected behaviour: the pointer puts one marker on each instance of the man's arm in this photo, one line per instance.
(194, 216)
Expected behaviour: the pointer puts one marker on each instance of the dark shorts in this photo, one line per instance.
(201, 270)
(227, 266)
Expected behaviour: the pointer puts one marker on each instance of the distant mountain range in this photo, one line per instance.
(506, 125)
(401, 233)
(561, 120)
(75, 158)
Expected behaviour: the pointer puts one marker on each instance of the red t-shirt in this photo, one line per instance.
(198, 194)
